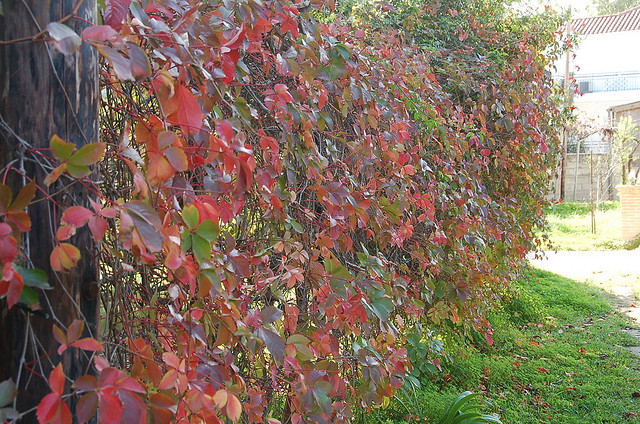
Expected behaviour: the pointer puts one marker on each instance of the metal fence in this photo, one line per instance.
(595, 83)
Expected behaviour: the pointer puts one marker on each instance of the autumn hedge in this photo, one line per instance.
(291, 209)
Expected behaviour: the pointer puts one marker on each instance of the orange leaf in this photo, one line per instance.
(88, 343)
(159, 171)
(59, 335)
(75, 330)
(169, 380)
(234, 408)
(64, 257)
(53, 176)
(56, 380)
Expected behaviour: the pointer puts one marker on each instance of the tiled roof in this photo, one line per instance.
(629, 20)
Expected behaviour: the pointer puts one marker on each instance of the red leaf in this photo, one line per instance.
(114, 12)
(147, 223)
(542, 370)
(20, 219)
(132, 408)
(15, 289)
(5, 229)
(288, 23)
(64, 257)
(121, 64)
(102, 34)
(132, 385)
(169, 380)
(225, 130)
(140, 67)
(86, 407)
(98, 227)
(88, 343)
(77, 216)
(8, 247)
(187, 113)
(48, 407)
(110, 406)
(56, 380)
(86, 383)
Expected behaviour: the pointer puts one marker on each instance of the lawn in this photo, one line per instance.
(559, 356)
(570, 226)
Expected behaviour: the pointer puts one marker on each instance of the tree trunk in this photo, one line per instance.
(42, 93)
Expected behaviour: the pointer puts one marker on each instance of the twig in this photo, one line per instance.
(42, 31)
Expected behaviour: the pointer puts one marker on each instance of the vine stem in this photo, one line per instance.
(44, 31)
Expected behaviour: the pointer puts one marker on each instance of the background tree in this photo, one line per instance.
(610, 7)
(47, 90)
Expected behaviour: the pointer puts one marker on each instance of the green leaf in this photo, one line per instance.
(191, 216)
(60, 149)
(34, 277)
(78, 171)
(208, 230)
(88, 154)
(8, 392)
(343, 50)
(338, 276)
(201, 247)
(383, 308)
(29, 297)
(24, 197)
(294, 225)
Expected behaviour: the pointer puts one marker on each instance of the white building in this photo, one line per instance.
(606, 68)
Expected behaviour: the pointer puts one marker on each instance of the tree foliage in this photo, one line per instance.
(611, 7)
(290, 211)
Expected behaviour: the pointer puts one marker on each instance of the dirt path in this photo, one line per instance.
(616, 271)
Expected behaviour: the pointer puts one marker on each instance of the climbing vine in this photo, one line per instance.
(289, 209)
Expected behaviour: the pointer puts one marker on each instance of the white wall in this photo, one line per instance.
(612, 52)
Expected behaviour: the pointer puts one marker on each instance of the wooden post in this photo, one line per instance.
(565, 130)
(42, 93)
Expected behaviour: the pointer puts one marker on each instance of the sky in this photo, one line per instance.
(579, 6)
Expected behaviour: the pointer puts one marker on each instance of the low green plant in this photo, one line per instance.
(570, 226)
(559, 355)
(466, 410)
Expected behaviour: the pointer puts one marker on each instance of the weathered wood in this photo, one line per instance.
(43, 93)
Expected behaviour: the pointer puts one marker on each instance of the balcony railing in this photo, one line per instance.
(596, 83)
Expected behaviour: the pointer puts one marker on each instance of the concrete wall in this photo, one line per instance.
(578, 177)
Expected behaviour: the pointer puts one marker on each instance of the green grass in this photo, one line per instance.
(559, 357)
(570, 227)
